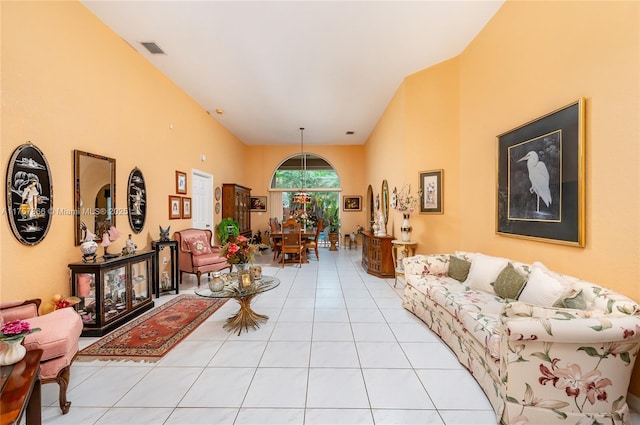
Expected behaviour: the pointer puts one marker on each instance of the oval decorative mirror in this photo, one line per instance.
(372, 212)
(137, 202)
(95, 194)
(29, 194)
(384, 204)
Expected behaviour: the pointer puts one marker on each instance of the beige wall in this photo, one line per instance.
(68, 82)
(532, 58)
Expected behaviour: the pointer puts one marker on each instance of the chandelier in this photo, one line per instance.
(302, 197)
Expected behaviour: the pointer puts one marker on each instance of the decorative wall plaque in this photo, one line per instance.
(137, 200)
(29, 194)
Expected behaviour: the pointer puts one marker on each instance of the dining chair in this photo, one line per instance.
(292, 241)
(313, 243)
(276, 243)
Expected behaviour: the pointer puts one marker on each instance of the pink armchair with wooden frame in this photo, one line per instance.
(58, 338)
(196, 254)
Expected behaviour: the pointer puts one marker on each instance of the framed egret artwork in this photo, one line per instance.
(541, 178)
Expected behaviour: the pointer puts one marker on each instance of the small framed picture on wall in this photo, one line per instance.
(431, 190)
(352, 203)
(259, 203)
(186, 207)
(181, 183)
(175, 207)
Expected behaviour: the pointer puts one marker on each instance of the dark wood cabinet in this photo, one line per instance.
(236, 203)
(165, 267)
(112, 292)
(377, 256)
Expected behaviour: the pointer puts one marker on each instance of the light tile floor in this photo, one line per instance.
(338, 349)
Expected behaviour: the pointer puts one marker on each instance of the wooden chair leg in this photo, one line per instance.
(198, 275)
(62, 379)
(63, 382)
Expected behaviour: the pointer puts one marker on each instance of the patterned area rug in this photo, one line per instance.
(155, 333)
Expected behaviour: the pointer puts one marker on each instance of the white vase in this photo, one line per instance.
(406, 228)
(12, 352)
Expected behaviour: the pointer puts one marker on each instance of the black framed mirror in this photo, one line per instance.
(137, 200)
(384, 202)
(370, 207)
(95, 194)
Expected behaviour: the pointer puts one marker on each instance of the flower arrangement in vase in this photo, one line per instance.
(406, 203)
(241, 251)
(11, 334)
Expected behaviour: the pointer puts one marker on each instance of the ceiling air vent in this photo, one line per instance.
(152, 47)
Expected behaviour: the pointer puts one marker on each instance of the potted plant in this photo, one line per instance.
(334, 229)
(228, 228)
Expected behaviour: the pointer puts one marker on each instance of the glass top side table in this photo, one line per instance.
(245, 317)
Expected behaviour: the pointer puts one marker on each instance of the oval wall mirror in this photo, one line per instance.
(370, 207)
(137, 202)
(384, 203)
(95, 194)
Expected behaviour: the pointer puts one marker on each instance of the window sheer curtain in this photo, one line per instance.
(275, 205)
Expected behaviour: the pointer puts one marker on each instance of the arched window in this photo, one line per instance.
(320, 180)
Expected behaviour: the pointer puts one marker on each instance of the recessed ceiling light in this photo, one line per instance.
(219, 111)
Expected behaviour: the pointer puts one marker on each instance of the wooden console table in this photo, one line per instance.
(21, 390)
(377, 258)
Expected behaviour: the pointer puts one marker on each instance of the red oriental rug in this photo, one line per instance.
(155, 333)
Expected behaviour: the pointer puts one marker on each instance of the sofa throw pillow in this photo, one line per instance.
(509, 283)
(542, 289)
(484, 271)
(458, 268)
(199, 246)
(576, 300)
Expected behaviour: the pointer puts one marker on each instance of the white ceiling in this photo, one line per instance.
(276, 66)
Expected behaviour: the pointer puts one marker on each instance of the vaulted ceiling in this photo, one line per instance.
(272, 67)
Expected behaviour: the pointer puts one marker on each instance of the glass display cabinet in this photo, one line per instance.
(166, 268)
(112, 292)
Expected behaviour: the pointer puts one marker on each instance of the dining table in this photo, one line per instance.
(306, 236)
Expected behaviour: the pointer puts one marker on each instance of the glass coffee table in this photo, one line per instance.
(245, 318)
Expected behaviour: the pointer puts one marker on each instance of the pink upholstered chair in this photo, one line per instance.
(196, 254)
(58, 338)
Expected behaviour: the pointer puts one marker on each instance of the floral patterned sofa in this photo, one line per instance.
(545, 348)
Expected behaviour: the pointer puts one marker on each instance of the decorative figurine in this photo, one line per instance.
(130, 247)
(164, 234)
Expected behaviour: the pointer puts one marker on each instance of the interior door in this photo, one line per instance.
(202, 200)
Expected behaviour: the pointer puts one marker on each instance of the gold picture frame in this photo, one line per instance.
(432, 195)
(352, 203)
(541, 178)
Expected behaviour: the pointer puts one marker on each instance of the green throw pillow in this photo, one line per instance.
(575, 300)
(458, 268)
(509, 283)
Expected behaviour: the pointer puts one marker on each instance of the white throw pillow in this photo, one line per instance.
(484, 271)
(542, 289)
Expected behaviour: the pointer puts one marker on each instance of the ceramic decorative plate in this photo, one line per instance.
(218, 194)
(217, 207)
